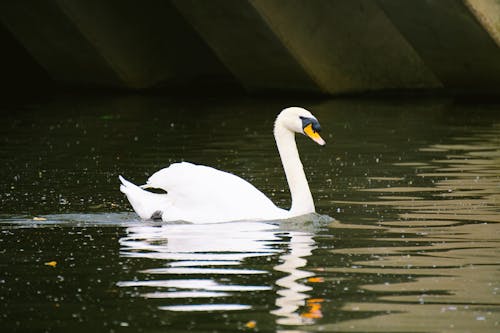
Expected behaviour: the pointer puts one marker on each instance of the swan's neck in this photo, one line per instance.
(302, 201)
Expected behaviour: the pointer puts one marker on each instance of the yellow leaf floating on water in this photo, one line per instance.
(315, 279)
(251, 324)
(51, 263)
(36, 218)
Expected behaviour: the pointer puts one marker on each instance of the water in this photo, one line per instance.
(414, 187)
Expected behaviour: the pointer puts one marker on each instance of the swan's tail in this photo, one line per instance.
(146, 204)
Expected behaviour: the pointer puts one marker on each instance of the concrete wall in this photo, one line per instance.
(346, 46)
(450, 40)
(293, 46)
(247, 45)
(111, 43)
(20, 72)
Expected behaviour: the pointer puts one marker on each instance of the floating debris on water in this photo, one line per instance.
(51, 263)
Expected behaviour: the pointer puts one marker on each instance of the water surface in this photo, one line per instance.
(414, 187)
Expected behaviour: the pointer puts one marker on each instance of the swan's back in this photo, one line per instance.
(204, 194)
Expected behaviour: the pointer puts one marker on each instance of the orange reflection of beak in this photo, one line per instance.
(314, 309)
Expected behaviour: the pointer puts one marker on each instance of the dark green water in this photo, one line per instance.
(413, 185)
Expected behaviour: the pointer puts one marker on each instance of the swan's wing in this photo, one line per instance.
(204, 193)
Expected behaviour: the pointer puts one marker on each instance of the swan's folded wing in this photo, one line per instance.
(201, 191)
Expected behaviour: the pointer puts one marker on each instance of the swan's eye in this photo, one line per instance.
(311, 121)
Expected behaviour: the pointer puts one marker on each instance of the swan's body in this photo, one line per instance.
(201, 194)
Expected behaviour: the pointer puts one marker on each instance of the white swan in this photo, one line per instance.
(201, 194)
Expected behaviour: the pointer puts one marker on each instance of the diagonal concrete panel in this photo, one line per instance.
(20, 72)
(487, 13)
(113, 43)
(55, 43)
(145, 43)
(246, 45)
(346, 46)
(451, 42)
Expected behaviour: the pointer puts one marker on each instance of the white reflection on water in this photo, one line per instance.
(204, 267)
(293, 293)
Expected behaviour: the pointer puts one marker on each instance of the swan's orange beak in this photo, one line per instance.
(310, 132)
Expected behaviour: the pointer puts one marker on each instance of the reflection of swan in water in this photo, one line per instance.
(205, 265)
(293, 293)
(202, 251)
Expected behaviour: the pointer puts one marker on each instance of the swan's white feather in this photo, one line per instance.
(145, 203)
(198, 193)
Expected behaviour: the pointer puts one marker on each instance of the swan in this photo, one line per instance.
(201, 194)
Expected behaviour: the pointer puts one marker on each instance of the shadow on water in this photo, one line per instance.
(414, 187)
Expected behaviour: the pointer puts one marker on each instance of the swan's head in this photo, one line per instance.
(299, 120)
